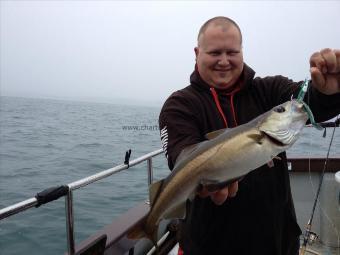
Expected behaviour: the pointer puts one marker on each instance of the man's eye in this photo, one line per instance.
(214, 53)
(232, 53)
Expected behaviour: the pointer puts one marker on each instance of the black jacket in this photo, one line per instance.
(261, 218)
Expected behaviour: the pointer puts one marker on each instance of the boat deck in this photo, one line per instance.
(322, 249)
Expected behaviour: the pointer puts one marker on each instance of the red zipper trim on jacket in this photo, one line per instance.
(232, 103)
(232, 108)
(217, 102)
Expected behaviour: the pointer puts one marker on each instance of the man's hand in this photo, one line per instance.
(219, 196)
(325, 71)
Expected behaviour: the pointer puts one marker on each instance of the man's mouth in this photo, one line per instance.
(222, 70)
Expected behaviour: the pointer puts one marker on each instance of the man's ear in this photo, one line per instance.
(196, 49)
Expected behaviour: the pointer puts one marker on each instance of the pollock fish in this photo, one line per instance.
(227, 155)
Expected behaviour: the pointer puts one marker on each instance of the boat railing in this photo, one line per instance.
(54, 193)
(116, 232)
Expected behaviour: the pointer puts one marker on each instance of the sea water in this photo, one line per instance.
(46, 143)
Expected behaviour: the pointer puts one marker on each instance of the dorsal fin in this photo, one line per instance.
(215, 133)
(154, 191)
(186, 152)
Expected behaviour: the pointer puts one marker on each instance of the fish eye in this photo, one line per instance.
(279, 109)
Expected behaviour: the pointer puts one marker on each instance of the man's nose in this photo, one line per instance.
(224, 60)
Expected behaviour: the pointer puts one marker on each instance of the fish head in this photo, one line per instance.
(283, 124)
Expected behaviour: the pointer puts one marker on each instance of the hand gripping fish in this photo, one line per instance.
(225, 156)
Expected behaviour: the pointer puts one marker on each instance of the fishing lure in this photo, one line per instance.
(301, 95)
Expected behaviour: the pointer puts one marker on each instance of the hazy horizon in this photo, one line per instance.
(100, 100)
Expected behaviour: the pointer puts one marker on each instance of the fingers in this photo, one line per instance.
(220, 196)
(316, 60)
(233, 188)
(317, 78)
(337, 55)
(203, 193)
(325, 71)
(327, 61)
(330, 60)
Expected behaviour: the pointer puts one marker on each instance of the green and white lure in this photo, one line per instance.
(301, 95)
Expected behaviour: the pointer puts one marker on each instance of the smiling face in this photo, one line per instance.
(219, 56)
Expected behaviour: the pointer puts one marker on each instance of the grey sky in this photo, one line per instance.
(144, 50)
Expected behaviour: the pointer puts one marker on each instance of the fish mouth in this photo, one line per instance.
(273, 139)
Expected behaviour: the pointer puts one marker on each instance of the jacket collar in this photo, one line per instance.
(244, 81)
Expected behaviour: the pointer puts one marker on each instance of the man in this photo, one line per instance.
(256, 214)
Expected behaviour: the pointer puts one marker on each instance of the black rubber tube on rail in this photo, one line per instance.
(51, 194)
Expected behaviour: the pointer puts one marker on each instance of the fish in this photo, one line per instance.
(227, 155)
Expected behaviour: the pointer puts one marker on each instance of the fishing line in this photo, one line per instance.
(322, 175)
(309, 224)
(323, 211)
(308, 234)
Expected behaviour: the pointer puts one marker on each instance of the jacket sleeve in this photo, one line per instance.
(278, 89)
(179, 126)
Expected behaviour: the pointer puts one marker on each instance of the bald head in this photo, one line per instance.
(224, 22)
(219, 56)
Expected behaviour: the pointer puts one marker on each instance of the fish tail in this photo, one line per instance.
(137, 231)
(141, 231)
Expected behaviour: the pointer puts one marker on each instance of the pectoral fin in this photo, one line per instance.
(214, 134)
